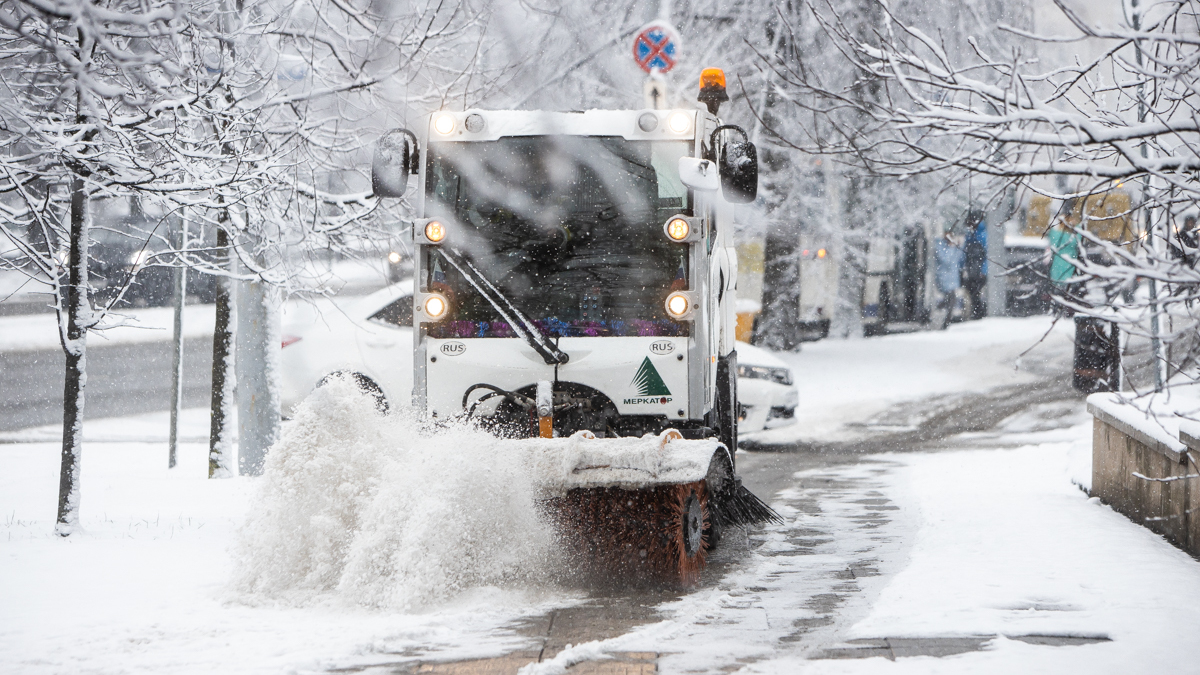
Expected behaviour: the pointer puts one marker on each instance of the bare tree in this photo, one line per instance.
(253, 117)
(80, 79)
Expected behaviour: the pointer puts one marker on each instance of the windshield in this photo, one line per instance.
(568, 227)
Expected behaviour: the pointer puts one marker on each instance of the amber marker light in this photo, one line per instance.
(712, 89)
(677, 304)
(435, 231)
(443, 124)
(678, 229)
(821, 253)
(712, 77)
(435, 306)
(679, 122)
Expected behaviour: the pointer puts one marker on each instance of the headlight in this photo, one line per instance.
(138, 258)
(435, 231)
(779, 375)
(443, 124)
(394, 258)
(678, 305)
(679, 122)
(678, 229)
(435, 306)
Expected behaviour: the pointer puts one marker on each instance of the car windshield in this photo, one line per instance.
(569, 228)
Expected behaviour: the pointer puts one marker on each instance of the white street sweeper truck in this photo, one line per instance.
(575, 283)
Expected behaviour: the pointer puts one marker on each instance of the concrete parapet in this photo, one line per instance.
(1145, 476)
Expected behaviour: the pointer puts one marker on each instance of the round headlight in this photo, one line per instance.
(394, 257)
(678, 229)
(443, 124)
(679, 122)
(474, 123)
(647, 121)
(677, 304)
(435, 306)
(435, 231)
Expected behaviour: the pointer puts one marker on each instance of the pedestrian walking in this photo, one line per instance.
(948, 263)
(975, 263)
(1064, 245)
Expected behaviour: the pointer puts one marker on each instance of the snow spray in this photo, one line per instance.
(376, 509)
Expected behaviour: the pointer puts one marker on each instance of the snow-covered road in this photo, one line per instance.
(968, 552)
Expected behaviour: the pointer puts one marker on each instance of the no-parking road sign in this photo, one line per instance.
(656, 47)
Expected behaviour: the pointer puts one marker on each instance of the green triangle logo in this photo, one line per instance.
(649, 382)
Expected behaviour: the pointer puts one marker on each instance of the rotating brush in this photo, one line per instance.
(649, 534)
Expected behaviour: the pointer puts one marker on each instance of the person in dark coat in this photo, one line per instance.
(975, 263)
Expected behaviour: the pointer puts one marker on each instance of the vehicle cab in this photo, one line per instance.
(589, 251)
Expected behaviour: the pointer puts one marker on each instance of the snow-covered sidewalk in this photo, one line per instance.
(995, 548)
(847, 382)
(1005, 545)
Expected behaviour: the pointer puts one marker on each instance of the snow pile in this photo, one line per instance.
(1157, 415)
(582, 460)
(372, 509)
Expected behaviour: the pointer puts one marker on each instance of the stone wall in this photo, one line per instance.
(1170, 508)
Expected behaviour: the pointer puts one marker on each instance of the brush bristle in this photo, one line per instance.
(737, 505)
(637, 534)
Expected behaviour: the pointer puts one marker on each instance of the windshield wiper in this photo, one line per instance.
(528, 330)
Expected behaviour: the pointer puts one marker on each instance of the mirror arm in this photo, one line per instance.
(712, 141)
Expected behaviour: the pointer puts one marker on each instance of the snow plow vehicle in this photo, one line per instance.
(574, 291)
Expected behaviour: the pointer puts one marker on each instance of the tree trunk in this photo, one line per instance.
(256, 345)
(75, 347)
(853, 246)
(220, 445)
(778, 326)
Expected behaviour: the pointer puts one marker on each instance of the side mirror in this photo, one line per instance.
(739, 167)
(699, 174)
(395, 156)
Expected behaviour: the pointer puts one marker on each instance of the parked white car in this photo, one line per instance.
(766, 391)
(371, 340)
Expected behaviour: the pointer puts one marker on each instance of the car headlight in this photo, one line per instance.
(778, 375)
(138, 258)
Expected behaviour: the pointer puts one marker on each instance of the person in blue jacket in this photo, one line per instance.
(948, 259)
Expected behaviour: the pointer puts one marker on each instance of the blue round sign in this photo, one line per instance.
(656, 47)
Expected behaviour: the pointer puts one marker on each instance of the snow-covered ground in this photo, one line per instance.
(843, 382)
(992, 543)
(990, 537)
(349, 279)
(1005, 546)
(32, 332)
(148, 586)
